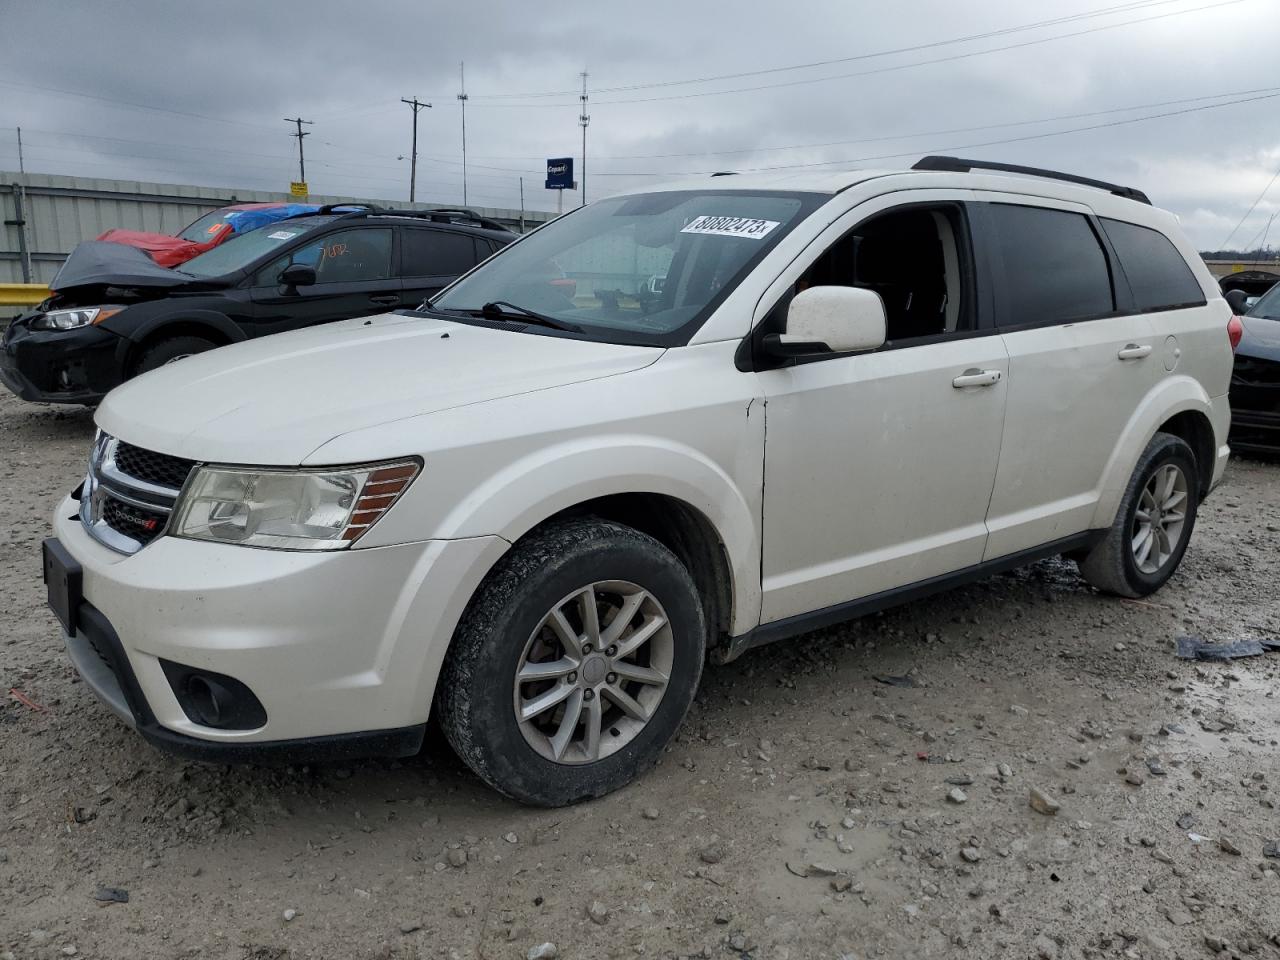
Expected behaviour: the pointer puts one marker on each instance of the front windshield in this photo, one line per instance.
(647, 268)
(240, 251)
(1268, 307)
(206, 228)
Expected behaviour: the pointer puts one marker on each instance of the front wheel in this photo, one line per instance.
(1145, 544)
(170, 351)
(574, 664)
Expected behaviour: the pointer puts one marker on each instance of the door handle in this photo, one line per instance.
(974, 377)
(1132, 351)
(386, 300)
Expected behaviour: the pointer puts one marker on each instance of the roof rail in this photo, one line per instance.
(448, 214)
(958, 165)
(725, 173)
(439, 215)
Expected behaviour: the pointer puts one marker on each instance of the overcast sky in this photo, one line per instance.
(244, 65)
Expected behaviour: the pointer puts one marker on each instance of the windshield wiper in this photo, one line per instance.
(503, 309)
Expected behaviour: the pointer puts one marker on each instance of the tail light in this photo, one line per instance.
(1235, 331)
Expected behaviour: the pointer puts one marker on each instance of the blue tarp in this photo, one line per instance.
(242, 221)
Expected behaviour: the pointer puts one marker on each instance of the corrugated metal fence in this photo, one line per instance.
(62, 211)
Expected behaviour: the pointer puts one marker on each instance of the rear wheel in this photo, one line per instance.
(1146, 542)
(171, 350)
(574, 664)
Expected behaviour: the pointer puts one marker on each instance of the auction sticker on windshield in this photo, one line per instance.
(731, 227)
(282, 235)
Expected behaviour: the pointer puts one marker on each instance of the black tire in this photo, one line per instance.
(1112, 566)
(474, 697)
(167, 351)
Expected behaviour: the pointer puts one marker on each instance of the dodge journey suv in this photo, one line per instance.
(532, 508)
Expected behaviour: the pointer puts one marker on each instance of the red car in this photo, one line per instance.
(207, 232)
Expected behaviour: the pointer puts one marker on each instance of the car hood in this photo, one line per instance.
(276, 400)
(103, 262)
(1261, 338)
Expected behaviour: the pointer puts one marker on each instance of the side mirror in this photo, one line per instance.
(1238, 300)
(297, 275)
(830, 320)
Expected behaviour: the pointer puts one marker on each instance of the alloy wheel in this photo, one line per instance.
(1160, 519)
(593, 673)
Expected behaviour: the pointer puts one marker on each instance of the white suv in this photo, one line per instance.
(542, 500)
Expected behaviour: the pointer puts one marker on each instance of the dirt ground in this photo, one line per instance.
(803, 812)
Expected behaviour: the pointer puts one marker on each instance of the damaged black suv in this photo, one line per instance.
(114, 313)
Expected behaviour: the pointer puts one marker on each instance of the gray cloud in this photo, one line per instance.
(346, 65)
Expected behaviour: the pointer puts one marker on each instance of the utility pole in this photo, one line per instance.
(522, 204)
(302, 166)
(462, 98)
(21, 168)
(584, 118)
(417, 105)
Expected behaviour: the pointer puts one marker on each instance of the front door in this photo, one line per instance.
(354, 278)
(879, 467)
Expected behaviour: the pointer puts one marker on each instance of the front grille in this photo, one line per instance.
(127, 497)
(158, 468)
(134, 522)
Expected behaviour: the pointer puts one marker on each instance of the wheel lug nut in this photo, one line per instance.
(611, 678)
(588, 694)
(573, 677)
(587, 648)
(612, 651)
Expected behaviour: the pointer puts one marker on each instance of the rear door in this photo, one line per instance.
(1080, 361)
(433, 257)
(354, 278)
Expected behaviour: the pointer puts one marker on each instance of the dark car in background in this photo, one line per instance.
(116, 313)
(1255, 378)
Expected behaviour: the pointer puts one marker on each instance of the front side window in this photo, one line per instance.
(1158, 276)
(914, 258)
(348, 256)
(647, 268)
(1054, 267)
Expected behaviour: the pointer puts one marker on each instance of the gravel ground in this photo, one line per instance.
(806, 810)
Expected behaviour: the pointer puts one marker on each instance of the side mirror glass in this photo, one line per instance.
(297, 275)
(831, 320)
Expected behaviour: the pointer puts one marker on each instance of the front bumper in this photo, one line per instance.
(342, 649)
(60, 366)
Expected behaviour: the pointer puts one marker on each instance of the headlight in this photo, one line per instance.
(289, 509)
(73, 319)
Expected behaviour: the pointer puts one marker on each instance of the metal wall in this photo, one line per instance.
(62, 211)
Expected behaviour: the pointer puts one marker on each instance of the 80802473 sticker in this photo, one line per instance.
(718, 226)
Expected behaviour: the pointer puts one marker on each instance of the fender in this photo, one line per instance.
(1168, 398)
(523, 494)
(135, 331)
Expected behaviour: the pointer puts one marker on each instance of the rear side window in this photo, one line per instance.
(1158, 276)
(430, 253)
(1055, 270)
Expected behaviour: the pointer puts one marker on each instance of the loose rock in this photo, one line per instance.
(1042, 802)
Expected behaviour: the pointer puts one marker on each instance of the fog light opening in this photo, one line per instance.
(209, 699)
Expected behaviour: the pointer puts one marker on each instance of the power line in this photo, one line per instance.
(1253, 206)
(945, 149)
(921, 63)
(910, 136)
(1055, 21)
